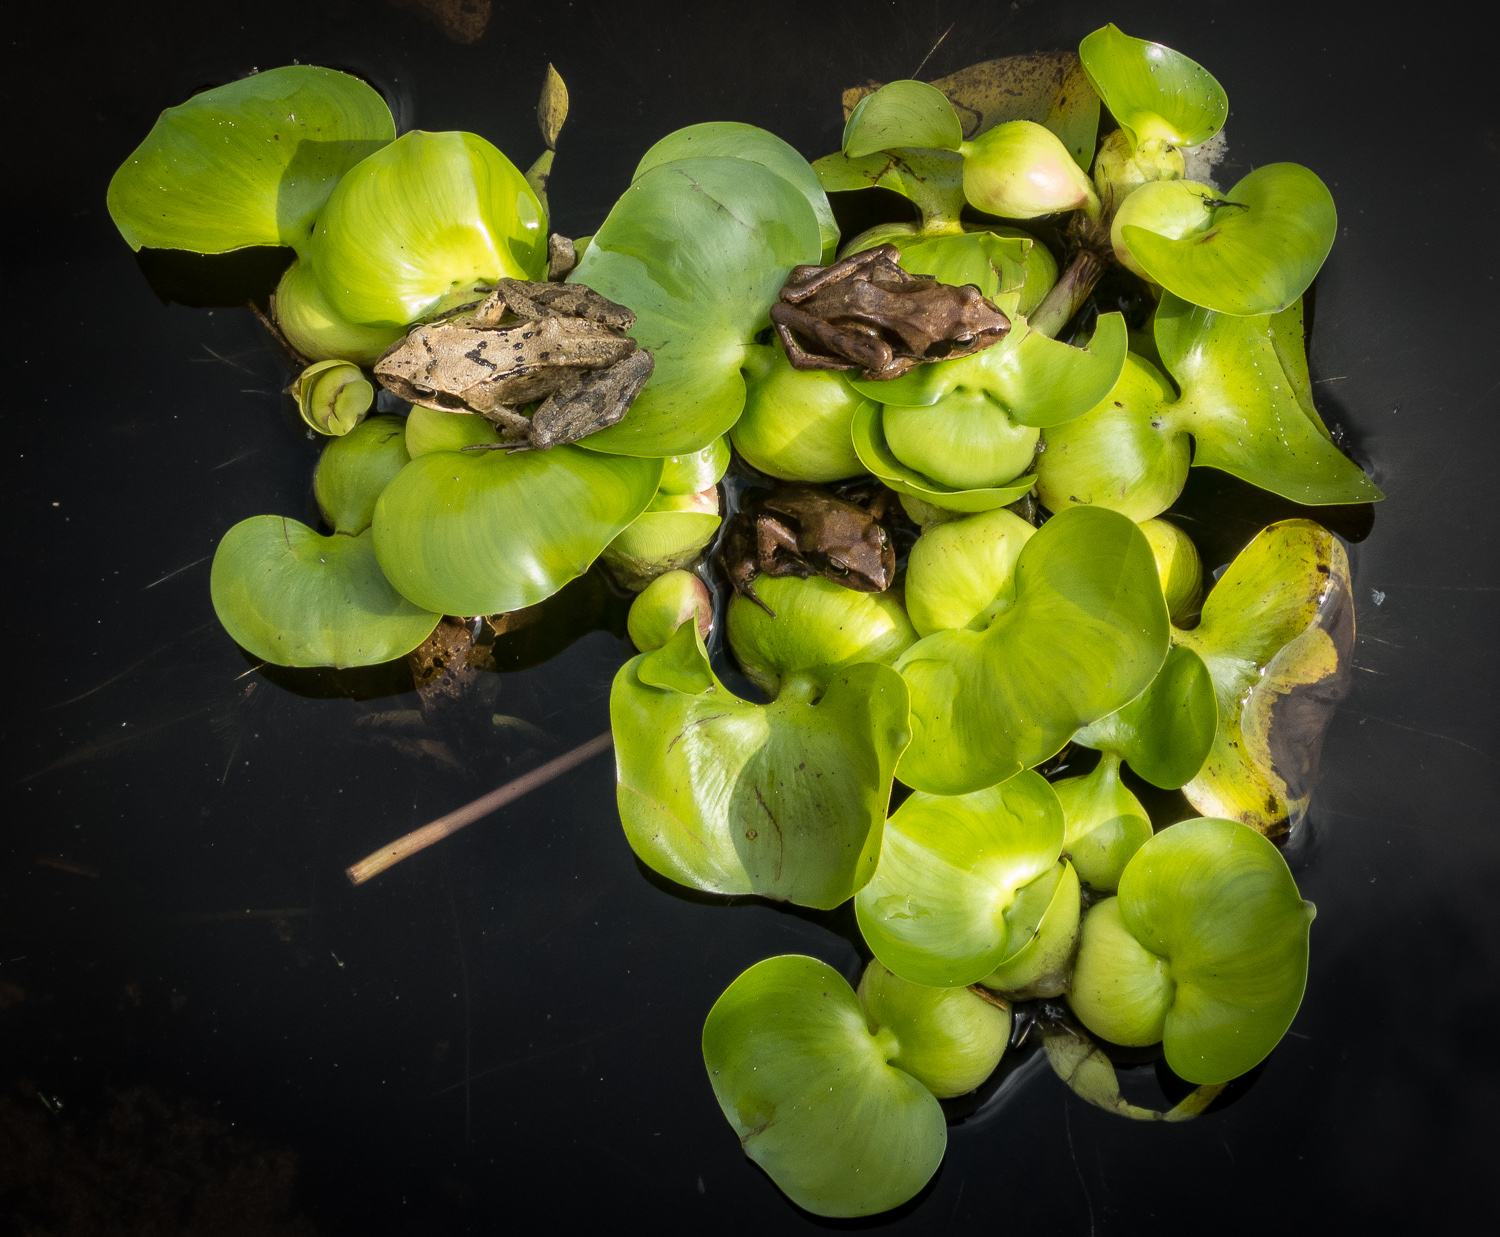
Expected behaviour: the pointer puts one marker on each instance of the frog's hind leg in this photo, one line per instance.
(600, 400)
(530, 300)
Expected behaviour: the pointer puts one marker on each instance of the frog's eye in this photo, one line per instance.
(837, 567)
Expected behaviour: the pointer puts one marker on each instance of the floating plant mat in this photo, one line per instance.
(926, 481)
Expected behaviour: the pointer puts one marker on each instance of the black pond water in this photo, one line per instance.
(204, 1028)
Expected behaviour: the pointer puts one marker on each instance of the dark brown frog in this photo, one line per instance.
(802, 531)
(866, 313)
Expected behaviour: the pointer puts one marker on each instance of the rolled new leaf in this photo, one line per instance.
(820, 628)
(786, 800)
(1086, 633)
(1159, 96)
(248, 163)
(483, 532)
(948, 1039)
(666, 604)
(294, 598)
(354, 470)
(1251, 251)
(1276, 635)
(950, 868)
(812, 1095)
(333, 396)
(1204, 949)
(904, 113)
(699, 249)
(422, 226)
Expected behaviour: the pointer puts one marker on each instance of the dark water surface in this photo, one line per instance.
(202, 1025)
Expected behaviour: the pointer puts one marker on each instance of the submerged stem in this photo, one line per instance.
(419, 839)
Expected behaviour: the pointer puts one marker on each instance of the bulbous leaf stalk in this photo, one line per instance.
(1020, 170)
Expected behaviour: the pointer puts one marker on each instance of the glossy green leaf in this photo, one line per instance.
(420, 226)
(1156, 94)
(482, 532)
(820, 627)
(295, 598)
(965, 441)
(786, 800)
(1164, 733)
(730, 139)
(666, 604)
(354, 470)
(904, 113)
(798, 423)
(950, 867)
(1244, 403)
(431, 429)
(1277, 635)
(960, 570)
(876, 455)
(1035, 380)
(811, 1095)
(1205, 948)
(948, 1039)
(932, 179)
(1106, 823)
(1086, 634)
(1245, 400)
(1042, 926)
(699, 249)
(248, 163)
(314, 330)
(1011, 268)
(1252, 251)
(696, 471)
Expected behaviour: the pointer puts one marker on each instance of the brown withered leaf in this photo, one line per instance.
(1049, 88)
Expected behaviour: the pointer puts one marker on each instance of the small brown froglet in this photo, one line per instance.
(866, 313)
(563, 344)
(803, 531)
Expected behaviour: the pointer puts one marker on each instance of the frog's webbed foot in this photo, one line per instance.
(600, 400)
(562, 257)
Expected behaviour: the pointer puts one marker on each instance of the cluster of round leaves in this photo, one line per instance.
(1005, 641)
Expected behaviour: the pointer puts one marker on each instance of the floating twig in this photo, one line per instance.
(419, 839)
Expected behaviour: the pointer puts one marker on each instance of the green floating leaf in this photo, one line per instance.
(1277, 635)
(697, 471)
(483, 532)
(1156, 94)
(950, 868)
(1204, 949)
(960, 570)
(314, 330)
(730, 139)
(423, 224)
(875, 454)
(1090, 1075)
(1253, 251)
(811, 1094)
(1034, 380)
(1086, 634)
(249, 163)
(1164, 733)
(785, 800)
(295, 598)
(431, 429)
(699, 249)
(1042, 925)
(948, 1039)
(1244, 402)
(932, 179)
(1106, 823)
(900, 114)
(1006, 264)
(820, 627)
(797, 423)
(354, 470)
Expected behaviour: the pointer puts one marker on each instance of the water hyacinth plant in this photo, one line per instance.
(972, 643)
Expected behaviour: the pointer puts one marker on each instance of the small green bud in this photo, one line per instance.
(1020, 170)
(666, 604)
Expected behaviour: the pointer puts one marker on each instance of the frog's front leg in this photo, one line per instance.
(508, 421)
(600, 400)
